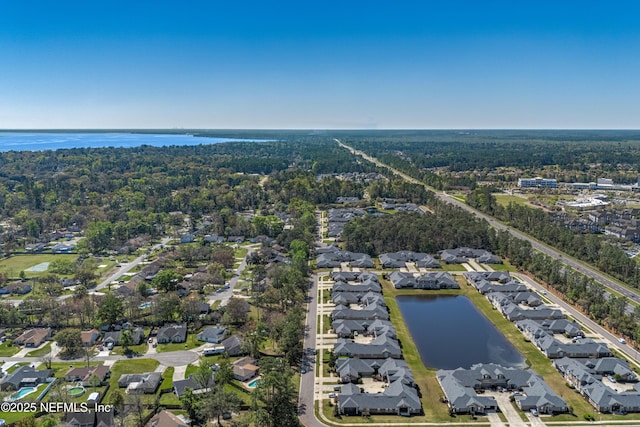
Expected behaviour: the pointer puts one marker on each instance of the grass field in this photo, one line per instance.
(505, 199)
(13, 265)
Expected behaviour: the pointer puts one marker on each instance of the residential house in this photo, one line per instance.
(233, 346)
(165, 418)
(18, 288)
(438, 280)
(146, 383)
(400, 259)
(396, 399)
(381, 347)
(62, 248)
(490, 276)
(172, 334)
(460, 386)
(25, 376)
(89, 419)
(84, 374)
(336, 258)
(90, 337)
(363, 287)
(367, 313)
(584, 348)
(180, 386)
(463, 255)
(212, 334)
(352, 369)
(112, 338)
(245, 369)
(33, 337)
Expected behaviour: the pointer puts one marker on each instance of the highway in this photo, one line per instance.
(547, 250)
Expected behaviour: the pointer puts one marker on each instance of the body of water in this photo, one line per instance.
(39, 141)
(451, 333)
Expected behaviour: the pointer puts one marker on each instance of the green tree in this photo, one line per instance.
(98, 236)
(166, 280)
(221, 402)
(70, 340)
(126, 340)
(111, 310)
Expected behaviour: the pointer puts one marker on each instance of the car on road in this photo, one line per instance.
(303, 370)
(622, 341)
(150, 340)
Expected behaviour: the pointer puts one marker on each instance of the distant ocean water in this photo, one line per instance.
(40, 141)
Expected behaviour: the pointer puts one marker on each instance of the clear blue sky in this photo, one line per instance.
(319, 64)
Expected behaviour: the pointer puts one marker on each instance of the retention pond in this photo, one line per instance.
(450, 332)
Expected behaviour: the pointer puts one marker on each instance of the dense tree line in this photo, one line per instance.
(448, 227)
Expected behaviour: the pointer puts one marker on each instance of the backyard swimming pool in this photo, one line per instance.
(22, 392)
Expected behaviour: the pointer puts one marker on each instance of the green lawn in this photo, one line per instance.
(506, 266)
(240, 252)
(137, 349)
(505, 199)
(7, 350)
(326, 325)
(41, 351)
(452, 267)
(13, 265)
(192, 342)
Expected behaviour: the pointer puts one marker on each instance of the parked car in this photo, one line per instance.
(332, 395)
(534, 412)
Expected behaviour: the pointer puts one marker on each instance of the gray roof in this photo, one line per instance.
(460, 384)
(212, 333)
(173, 333)
(334, 259)
(367, 313)
(180, 386)
(148, 382)
(462, 255)
(14, 379)
(381, 347)
(233, 345)
(436, 280)
(585, 348)
(399, 259)
(394, 397)
(491, 276)
(351, 369)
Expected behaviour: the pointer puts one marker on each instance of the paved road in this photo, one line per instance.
(554, 253)
(227, 294)
(125, 268)
(307, 381)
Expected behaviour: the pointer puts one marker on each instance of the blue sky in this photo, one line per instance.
(319, 64)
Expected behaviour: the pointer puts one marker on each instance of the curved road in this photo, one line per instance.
(536, 244)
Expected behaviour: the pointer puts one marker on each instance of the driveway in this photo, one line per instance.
(509, 411)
